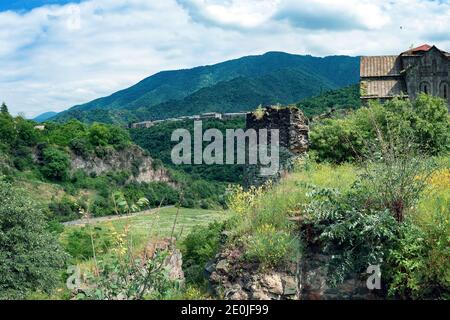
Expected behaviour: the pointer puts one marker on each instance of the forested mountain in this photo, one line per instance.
(157, 142)
(234, 85)
(45, 116)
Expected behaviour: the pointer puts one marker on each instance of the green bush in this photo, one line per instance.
(65, 209)
(30, 256)
(55, 164)
(101, 206)
(355, 237)
(199, 247)
(424, 122)
(22, 158)
(80, 147)
(419, 266)
(99, 135)
(79, 242)
(270, 247)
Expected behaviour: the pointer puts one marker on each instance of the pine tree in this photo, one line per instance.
(4, 108)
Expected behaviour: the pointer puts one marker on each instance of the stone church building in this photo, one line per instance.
(422, 69)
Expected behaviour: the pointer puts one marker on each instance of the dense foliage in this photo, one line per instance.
(362, 227)
(234, 85)
(199, 247)
(30, 256)
(424, 123)
(340, 99)
(20, 142)
(157, 142)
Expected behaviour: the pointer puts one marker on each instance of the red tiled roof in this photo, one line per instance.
(424, 47)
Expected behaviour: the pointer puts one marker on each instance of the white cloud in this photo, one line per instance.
(232, 13)
(57, 56)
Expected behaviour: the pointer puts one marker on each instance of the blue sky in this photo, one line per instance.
(56, 54)
(24, 5)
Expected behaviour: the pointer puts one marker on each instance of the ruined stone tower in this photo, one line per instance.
(293, 139)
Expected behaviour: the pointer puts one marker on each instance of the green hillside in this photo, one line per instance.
(228, 86)
(157, 142)
(45, 116)
(345, 98)
(243, 94)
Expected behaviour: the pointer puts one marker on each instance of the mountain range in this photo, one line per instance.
(45, 116)
(231, 86)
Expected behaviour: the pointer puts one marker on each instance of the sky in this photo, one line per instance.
(59, 53)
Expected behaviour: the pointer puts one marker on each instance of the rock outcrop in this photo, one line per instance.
(232, 279)
(174, 260)
(132, 159)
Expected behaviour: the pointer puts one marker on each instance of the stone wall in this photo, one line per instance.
(431, 70)
(232, 279)
(291, 123)
(313, 272)
(293, 139)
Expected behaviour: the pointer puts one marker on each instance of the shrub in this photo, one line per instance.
(30, 256)
(79, 242)
(65, 210)
(125, 275)
(270, 247)
(55, 164)
(80, 147)
(393, 180)
(377, 222)
(425, 123)
(101, 206)
(99, 135)
(119, 138)
(420, 264)
(22, 158)
(199, 247)
(353, 236)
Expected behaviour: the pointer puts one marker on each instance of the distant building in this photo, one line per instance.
(229, 116)
(211, 115)
(143, 124)
(41, 128)
(204, 116)
(422, 69)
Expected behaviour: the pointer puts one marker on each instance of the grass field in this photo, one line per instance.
(159, 224)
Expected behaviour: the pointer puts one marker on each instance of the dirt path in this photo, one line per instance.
(82, 222)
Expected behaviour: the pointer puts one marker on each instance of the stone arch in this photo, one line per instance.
(444, 90)
(426, 87)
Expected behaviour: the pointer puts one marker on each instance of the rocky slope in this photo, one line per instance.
(132, 159)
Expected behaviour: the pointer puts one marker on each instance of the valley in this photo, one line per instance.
(111, 204)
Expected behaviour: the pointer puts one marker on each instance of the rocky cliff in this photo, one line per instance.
(132, 159)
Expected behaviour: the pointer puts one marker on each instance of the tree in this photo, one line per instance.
(30, 256)
(56, 164)
(424, 122)
(4, 108)
(99, 135)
